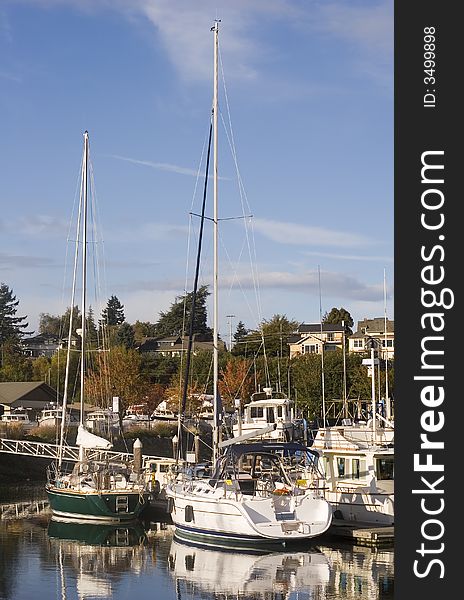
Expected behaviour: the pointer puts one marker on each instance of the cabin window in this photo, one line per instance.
(256, 412)
(355, 470)
(279, 412)
(384, 467)
(340, 466)
(270, 415)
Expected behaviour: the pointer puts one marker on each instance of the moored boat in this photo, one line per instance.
(96, 489)
(249, 499)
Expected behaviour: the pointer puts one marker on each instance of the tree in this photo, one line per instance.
(11, 326)
(240, 333)
(336, 316)
(270, 338)
(113, 314)
(125, 335)
(117, 372)
(176, 320)
(143, 329)
(237, 381)
(59, 325)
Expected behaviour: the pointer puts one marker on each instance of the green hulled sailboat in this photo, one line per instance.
(94, 489)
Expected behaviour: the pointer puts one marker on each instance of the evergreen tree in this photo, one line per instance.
(240, 333)
(175, 322)
(125, 336)
(113, 314)
(11, 326)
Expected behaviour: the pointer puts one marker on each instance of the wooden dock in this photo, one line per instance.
(362, 534)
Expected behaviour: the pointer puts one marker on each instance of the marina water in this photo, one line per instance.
(40, 557)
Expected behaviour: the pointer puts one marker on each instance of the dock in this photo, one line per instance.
(362, 534)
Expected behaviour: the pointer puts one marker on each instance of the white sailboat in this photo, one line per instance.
(250, 498)
(93, 490)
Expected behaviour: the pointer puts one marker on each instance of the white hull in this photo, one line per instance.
(363, 506)
(232, 516)
(359, 472)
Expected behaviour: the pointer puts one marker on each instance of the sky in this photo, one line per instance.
(305, 153)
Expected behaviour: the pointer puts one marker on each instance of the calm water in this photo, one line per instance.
(40, 558)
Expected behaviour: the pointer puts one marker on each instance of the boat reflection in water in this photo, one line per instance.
(199, 570)
(95, 555)
(94, 561)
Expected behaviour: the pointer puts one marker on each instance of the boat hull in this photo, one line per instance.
(117, 506)
(363, 506)
(250, 520)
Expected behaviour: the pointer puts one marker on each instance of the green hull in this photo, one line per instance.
(97, 534)
(108, 507)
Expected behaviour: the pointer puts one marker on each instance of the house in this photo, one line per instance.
(44, 344)
(176, 345)
(314, 338)
(372, 333)
(34, 396)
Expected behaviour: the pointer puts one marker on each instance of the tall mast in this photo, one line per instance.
(84, 266)
(215, 235)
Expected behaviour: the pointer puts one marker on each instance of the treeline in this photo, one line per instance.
(258, 358)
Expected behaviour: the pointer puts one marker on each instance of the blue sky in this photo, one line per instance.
(308, 89)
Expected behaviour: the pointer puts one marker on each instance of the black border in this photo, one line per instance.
(419, 129)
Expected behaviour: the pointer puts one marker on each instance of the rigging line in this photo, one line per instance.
(188, 255)
(235, 276)
(195, 285)
(243, 196)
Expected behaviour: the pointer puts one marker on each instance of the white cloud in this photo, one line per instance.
(183, 28)
(306, 235)
(160, 166)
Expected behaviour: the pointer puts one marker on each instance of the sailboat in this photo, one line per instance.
(250, 498)
(95, 489)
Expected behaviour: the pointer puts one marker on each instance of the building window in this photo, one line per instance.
(311, 349)
(330, 337)
(358, 343)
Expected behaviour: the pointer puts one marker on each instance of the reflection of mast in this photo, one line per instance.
(62, 579)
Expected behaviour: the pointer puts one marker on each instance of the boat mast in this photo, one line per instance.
(215, 235)
(84, 275)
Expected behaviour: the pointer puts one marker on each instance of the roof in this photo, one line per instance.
(375, 325)
(33, 393)
(316, 327)
(287, 448)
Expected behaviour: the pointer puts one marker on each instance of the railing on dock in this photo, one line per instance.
(69, 453)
